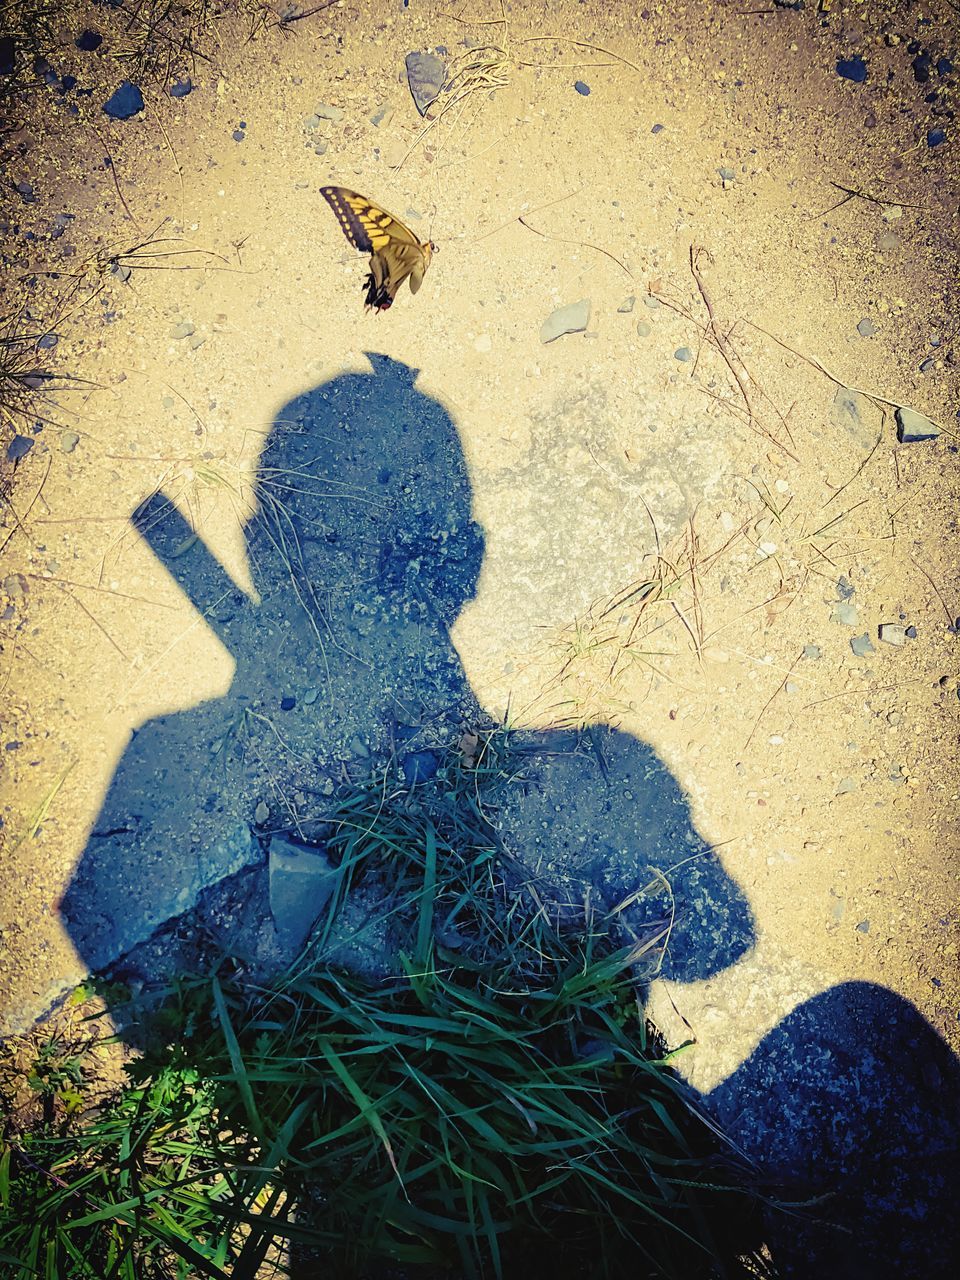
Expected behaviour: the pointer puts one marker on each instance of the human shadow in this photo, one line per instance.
(363, 551)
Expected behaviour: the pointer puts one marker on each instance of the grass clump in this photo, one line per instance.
(495, 1105)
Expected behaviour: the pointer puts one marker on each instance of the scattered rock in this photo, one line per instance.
(582, 88)
(892, 633)
(8, 56)
(911, 633)
(425, 76)
(861, 645)
(913, 426)
(48, 341)
(644, 329)
(326, 112)
(921, 67)
(866, 328)
(845, 588)
(811, 651)
(854, 69)
(683, 353)
(863, 926)
(301, 882)
(727, 175)
(238, 135)
(846, 785)
(419, 766)
(846, 614)
(383, 115)
(650, 301)
(658, 128)
(310, 696)
(120, 271)
(320, 148)
(359, 748)
(127, 101)
(627, 305)
(68, 441)
(288, 703)
(935, 137)
(573, 318)
(892, 212)
(182, 330)
(944, 67)
(25, 191)
(87, 41)
(180, 88)
(19, 447)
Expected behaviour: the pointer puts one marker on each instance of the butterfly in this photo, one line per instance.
(395, 252)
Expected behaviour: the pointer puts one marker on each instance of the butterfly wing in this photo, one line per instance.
(368, 227)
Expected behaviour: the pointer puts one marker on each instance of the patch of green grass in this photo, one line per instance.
(496, 1106)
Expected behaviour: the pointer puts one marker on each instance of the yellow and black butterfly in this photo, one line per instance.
(395, 252)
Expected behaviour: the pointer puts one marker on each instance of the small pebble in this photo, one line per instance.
(326, 112)
(911, 633)
(238, 135)
(812, 652)
(288, 703)
(383, 115)
(861, 645)
(892, 633)
(573, 318)
(582, 88)
(180, 88)
(863, 926)
(261, 813)
(419, 766)
(19, 447)
(683, 354)
(935, 137)
(127, 101)
(913, 426)
(854, 69)
(196, 341)
(182, 330)
(87, 41)
(866, 328)
(627, 305)
(658, 128)
(650, 301)
(727, 175)
(846, 786)
(845, 588)
(644, 329)
(68, 441)
(944, 67)
(892, 212)
(846, 614)
(310, 696)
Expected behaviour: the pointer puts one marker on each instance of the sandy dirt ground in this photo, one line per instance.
(696, 514)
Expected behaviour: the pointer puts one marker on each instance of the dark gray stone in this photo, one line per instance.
(302, 880)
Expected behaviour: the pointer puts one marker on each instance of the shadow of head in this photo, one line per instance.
(365, 476)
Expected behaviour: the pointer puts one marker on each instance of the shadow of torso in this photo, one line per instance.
(363, 552)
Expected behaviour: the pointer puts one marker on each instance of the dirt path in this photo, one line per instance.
(758, 236)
